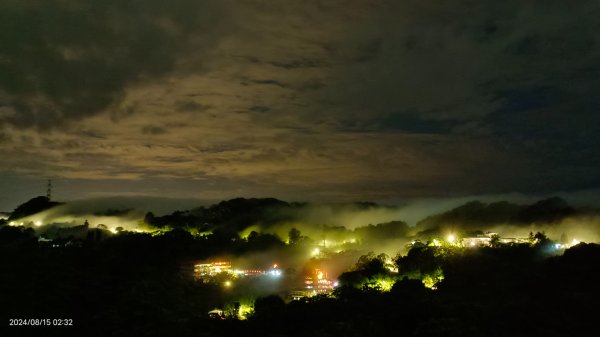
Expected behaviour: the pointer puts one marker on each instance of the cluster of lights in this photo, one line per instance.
(207, 271)
(573, 242)
(275, 271)
(452, 239)
(319, 283)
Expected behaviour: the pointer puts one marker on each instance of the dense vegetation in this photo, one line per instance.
(138, 284)
(141, 284)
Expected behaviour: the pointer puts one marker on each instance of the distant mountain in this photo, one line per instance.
(473, 213)
(240, 213)
(383, 231)
(478, 215)
(545, 211)
(33, 206)
(235, 214)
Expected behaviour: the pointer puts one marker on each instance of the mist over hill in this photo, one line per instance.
(111, 257)
(364, 222)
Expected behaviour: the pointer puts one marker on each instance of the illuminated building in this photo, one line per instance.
(250, 272)
(480, 240)
(315, 283)
(514, 240)
(220, 267)
(318, 282)
(476, 241)
(206, 271)
(216, 314)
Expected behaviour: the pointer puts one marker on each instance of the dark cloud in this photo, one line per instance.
(259, 108)
(64, 60)
(4, 137)
(339, 99)
(266, 82)
(153, 130)
(301, 63)
(191, 106)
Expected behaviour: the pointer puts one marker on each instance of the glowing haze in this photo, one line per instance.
(301, 100)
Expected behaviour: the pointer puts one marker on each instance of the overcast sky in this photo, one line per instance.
(298, 99)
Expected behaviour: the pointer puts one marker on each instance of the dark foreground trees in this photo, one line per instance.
(509, 291)
(133, 285)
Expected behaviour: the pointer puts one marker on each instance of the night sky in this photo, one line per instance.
(315, 100)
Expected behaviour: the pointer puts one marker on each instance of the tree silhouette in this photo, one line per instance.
(294, 236)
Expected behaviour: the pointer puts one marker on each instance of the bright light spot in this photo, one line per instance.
(12, 223)
(575, 242)
(38, 223)
(472, 243)
(335, 284)
(227, 284)
(557, 246)
(113, 230)
(320, 275)
(451, 238)
(436, 242)
(275, 266)
(275, 272)
(316, 252)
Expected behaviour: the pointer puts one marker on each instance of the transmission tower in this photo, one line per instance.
(49, 190)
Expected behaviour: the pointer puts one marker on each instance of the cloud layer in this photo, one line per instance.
(337, 99)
